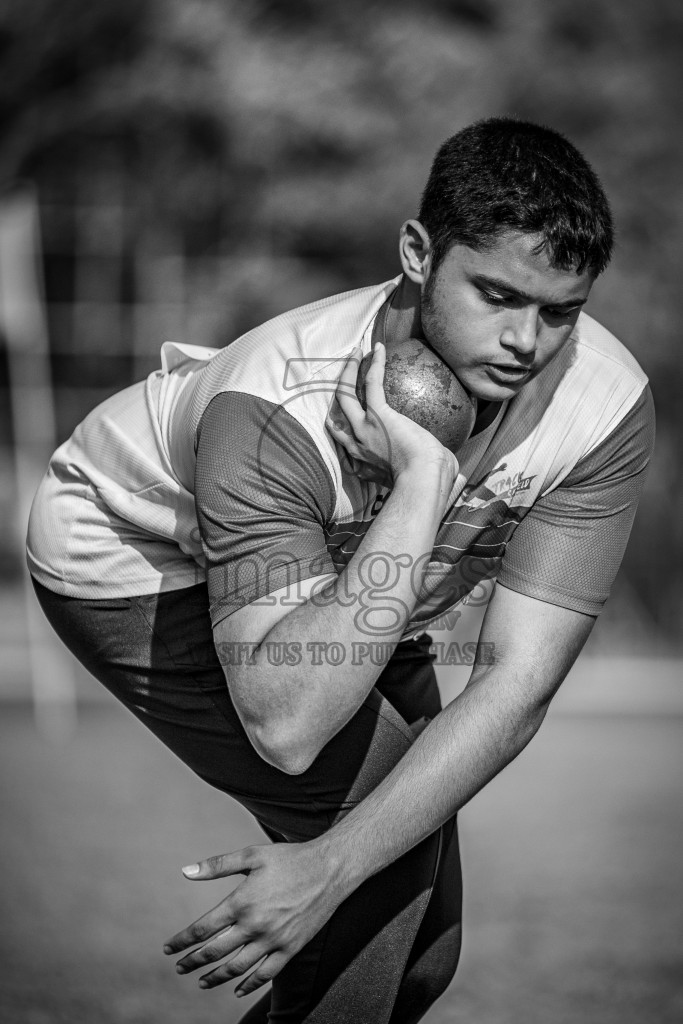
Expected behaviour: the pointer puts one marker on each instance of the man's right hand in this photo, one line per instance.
(379, 443)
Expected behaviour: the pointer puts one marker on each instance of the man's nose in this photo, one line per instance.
(521, 332)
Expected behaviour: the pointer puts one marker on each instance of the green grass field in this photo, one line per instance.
(572, 857)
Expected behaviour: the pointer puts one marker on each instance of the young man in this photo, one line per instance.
(298, 677)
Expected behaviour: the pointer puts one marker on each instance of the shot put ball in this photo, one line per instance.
(419, 384)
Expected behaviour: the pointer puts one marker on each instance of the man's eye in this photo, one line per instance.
(561, 314)
(494, 300)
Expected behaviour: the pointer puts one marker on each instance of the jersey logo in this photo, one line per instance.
(486, 491)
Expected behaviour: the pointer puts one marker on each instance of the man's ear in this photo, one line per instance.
(415, 251)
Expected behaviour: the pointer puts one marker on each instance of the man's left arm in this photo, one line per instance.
(534, 645)
(292, 889)
(555, 577)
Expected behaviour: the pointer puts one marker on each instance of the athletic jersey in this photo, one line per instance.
(219, 467)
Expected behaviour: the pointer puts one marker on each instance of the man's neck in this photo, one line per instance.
(403, 318)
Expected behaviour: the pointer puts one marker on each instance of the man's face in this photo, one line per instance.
(498, 316)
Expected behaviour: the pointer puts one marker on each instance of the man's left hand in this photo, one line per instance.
(282, 903)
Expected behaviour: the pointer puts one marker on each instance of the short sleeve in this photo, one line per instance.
(568, 548)
(263, 496)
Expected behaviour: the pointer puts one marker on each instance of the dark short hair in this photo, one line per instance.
(507, 174)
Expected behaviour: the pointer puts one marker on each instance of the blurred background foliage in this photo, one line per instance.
(202, 165)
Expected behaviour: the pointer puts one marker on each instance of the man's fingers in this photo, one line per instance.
(374, 379)
(220, 866)
(346, 390)
(264, 973)
(335, 421)
(203, 928)
(220, 946)
(235, 966)
(347, 445)
(342, 433)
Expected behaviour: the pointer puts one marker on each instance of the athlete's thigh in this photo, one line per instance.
(156, 655)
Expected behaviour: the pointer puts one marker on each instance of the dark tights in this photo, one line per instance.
(392, 947)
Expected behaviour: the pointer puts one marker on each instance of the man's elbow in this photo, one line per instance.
(284, 748)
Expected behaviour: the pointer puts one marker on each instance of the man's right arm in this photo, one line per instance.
(291, 711)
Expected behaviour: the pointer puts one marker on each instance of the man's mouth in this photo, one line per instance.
(509, 374)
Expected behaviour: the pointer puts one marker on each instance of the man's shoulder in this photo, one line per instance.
(350, 301)
(320, 328)
(597, 346)
(293, 359)
(284, 370)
